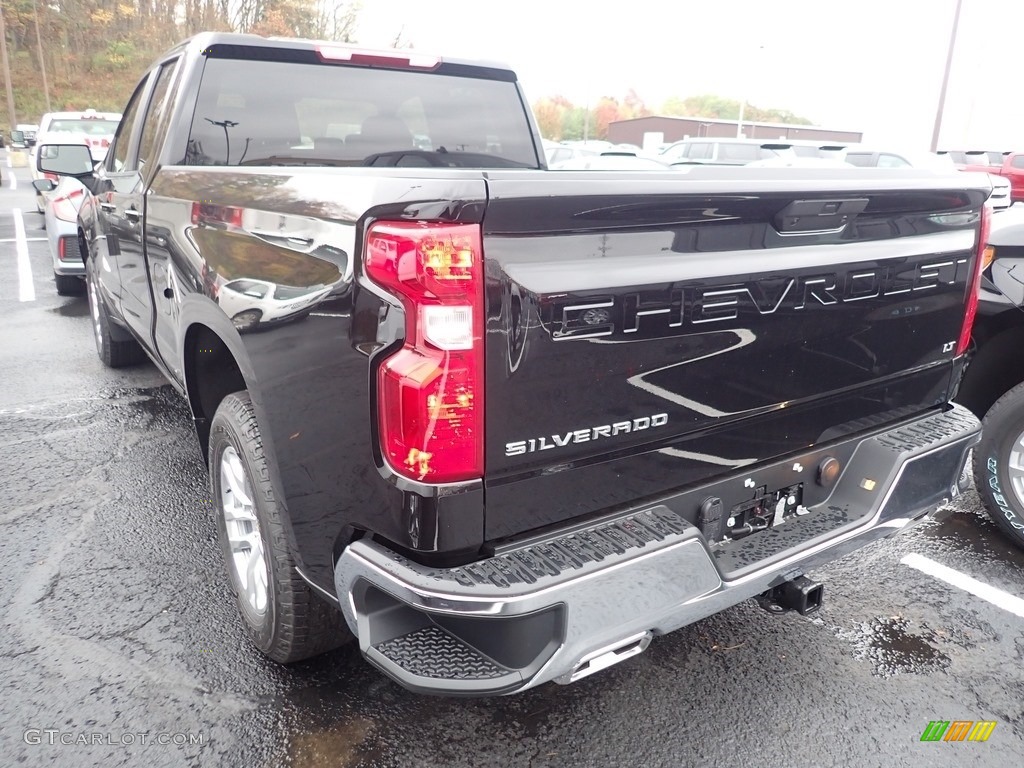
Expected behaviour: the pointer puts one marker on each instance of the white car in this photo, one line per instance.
(97, 128)
(91, 128)
(610, 162)
(1000, 198)
(62, 203)
(250, 302)
(942, 162)
(560, 153)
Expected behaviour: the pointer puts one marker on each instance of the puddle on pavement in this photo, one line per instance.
(975, 534)
(894, 650)
(76, 308)
(341, 746)
(72, 308)
(158, 405)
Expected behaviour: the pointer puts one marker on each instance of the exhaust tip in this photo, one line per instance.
(607, 656)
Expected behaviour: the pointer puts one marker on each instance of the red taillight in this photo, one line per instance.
(51, 176)
(430, 392)
(105, 143)
(67, 249)
(64, 209)
(974, 286)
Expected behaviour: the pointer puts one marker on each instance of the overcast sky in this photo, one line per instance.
(867, 65)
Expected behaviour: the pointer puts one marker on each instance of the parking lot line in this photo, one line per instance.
(997, 597)
(26, 290)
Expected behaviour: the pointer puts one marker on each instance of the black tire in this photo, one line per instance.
(114, 345)
(1003, 433)
(295, 623)
(69, 285)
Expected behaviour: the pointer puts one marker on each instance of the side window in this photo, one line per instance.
(675, 153)
(157, 109)
(699, 152)
(860, 159)
(117, 157)
(892, 161)
(741, 153)
(1018, 161)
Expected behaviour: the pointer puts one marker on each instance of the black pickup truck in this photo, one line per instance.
(993, 386)
(503, 424)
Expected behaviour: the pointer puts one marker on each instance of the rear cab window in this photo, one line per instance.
(263, 112)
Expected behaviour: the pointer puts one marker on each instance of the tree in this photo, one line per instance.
(607, 111)
(95, 50)
(633, 105)
(548, 115)
(573, 120)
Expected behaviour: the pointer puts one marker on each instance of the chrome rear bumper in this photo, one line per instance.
(566, 606)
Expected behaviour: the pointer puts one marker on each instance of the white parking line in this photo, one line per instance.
(997, 597)
(26, 290)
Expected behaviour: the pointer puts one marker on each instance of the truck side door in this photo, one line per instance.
(119, 193)
(168, 272)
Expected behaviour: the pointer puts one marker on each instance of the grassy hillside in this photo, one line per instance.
(103, 87)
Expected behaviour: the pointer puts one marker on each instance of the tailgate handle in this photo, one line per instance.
(805, 217)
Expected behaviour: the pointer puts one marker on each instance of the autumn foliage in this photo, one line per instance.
(94, 51)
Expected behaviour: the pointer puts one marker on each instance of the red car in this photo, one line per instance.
(1010, 167)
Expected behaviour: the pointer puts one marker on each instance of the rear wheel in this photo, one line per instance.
(999, 464)
(68, 285)
(114, 345)
(279, 611)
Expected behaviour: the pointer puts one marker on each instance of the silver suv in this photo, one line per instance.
(719, 151)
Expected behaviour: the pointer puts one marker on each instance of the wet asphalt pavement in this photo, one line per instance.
(119, 643)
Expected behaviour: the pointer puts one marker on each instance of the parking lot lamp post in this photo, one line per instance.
(945, 77)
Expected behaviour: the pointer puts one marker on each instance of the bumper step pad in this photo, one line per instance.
(572, 552)
(432, 652)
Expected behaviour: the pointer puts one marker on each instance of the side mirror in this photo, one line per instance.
(44, 185)
(64, 159)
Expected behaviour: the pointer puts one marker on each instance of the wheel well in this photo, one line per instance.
(211, 373)
(997, 367)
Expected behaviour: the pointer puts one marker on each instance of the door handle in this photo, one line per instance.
(108, 207)
(132, 214)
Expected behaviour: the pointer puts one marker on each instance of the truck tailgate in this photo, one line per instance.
(650, 332)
